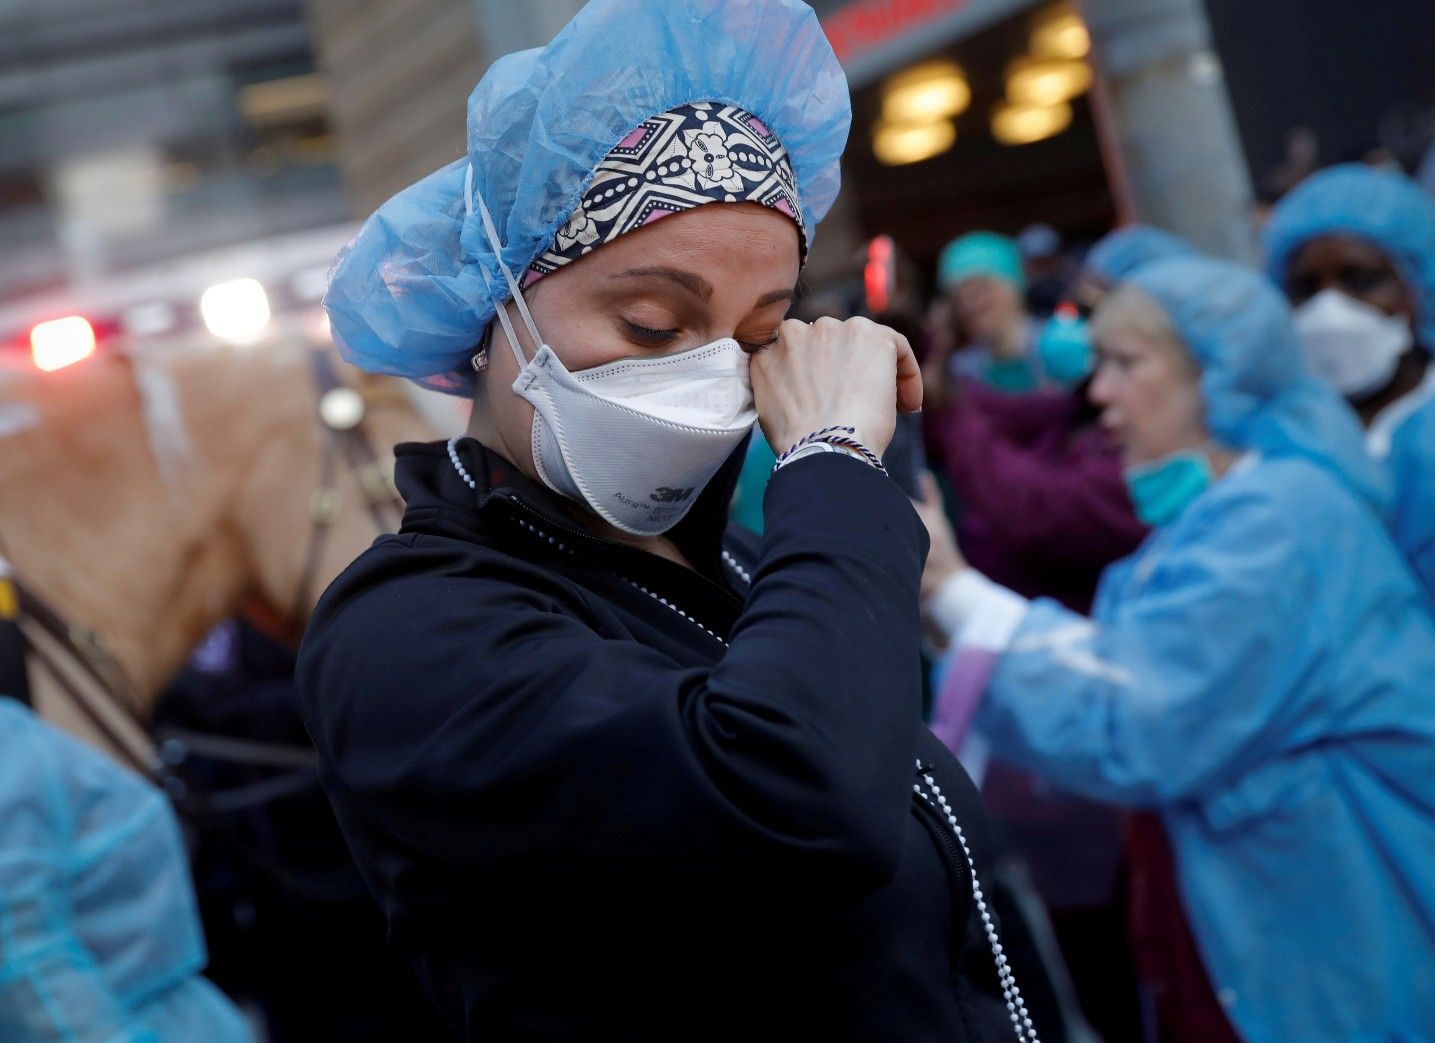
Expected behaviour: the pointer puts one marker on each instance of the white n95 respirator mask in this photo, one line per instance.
(1351, 345)
(637, 440)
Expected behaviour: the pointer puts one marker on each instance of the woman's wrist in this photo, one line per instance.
(967, 597)
(814, 449)
(833, 438)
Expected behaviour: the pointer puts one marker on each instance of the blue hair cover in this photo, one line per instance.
(1257, 393)
(410, 294)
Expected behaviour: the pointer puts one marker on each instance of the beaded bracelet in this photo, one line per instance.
(838, 436)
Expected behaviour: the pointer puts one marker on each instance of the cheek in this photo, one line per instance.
(589, 339)
(1390, 300)
(1171, 408)
(1146, 401)
(582, 337)
(509, 410)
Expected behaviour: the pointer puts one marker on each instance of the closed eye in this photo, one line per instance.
(647, 334)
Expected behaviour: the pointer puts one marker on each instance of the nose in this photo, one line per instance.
(1100, 391)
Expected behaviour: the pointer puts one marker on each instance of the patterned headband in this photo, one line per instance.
(693, 154)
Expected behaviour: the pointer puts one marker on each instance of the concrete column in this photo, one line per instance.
(1172, 123)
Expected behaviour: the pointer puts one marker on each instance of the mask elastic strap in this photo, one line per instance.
(470, 193)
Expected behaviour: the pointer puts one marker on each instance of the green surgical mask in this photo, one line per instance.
(1162, 489)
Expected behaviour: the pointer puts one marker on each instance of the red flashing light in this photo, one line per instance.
(58, 343)
(879, 273)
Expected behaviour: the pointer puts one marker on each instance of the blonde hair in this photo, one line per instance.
(1128, 309)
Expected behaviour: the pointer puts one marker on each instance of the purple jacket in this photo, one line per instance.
(1041, 504)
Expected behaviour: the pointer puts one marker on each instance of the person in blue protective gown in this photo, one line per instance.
(1412, 467)
(99, 934)
(1354, 250)
(1258, 672)
(1042, 509)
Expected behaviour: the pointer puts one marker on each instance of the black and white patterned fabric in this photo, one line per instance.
(697, 153)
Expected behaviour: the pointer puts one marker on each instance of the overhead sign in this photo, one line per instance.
(862, 25)
(873, 37)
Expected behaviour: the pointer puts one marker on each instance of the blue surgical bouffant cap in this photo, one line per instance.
(1257, 393)
(1117, 254)
(1384, 208)
(981, 254)
(414, 290)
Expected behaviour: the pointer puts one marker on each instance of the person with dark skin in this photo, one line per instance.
(1257, 673)
(1354, 250)
(1358, 269)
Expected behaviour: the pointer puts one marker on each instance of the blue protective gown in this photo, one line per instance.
(100, 940)
(1262, 673)
(1394, 215)
(1412, 468)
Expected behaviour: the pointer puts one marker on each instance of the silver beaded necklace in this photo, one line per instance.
(560, 545)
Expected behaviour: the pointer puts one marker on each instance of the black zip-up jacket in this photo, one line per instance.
(602, 796)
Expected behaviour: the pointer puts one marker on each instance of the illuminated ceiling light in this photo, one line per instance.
(61, 342)
(1046, 81)
(897, 144)
(1060, 34)
(925, 93)
(236, 311)
(1024, 124)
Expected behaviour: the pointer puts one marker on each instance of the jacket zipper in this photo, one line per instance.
(956, 860)
(955, 846)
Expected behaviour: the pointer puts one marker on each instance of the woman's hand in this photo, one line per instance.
(941, 344)
(855, 373)
(944, 560)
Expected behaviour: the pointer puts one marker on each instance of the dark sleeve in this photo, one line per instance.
(1073, 506)
(478, 721)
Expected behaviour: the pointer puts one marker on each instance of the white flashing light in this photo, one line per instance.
(61, 342)
(236, 311)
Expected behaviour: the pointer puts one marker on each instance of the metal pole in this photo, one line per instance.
(1183, 162)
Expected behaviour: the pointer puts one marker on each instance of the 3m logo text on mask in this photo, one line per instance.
(666, 495)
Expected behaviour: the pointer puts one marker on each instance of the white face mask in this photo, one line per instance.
(1350, 344)
(636, 439)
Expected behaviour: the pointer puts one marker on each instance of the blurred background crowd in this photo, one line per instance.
(176, 177)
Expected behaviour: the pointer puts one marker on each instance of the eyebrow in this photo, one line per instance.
(774, 297)
(690, 281)
(694, 283)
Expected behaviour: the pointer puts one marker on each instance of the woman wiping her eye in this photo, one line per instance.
(612, 773)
